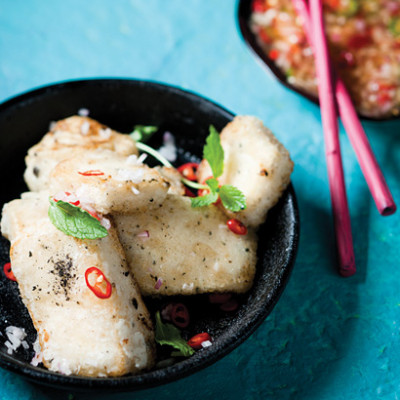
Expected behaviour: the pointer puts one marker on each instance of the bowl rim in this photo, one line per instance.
(202, 359)
(243, 13)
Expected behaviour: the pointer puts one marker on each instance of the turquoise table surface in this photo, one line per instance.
(328, 338)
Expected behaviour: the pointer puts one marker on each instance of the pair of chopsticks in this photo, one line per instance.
(333, 96)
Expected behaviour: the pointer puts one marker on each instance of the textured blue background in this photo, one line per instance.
(328, 337)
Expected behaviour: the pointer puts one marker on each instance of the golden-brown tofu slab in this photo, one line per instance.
(110, 182)
(176, 249)
(256, 163)
(79, 332)
(67, 137)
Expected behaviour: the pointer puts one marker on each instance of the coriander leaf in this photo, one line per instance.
(167, 334)
(74, 221)
(206, 200)
(213, 184)
(142, 133)
(232, 198)
(214, 153)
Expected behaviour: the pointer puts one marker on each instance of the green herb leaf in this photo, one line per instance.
(167, 334)
(213, 184)
(202, 201)
(232, 198)
(142, 133)
(214, 153)
(74, 221)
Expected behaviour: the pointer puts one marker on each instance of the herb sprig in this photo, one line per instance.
(168, 334)
(74, 221)
(232, 198)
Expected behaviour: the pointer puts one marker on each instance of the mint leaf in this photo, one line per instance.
(74, 221)
(232, 198)
(203, 201)
(213, 184)
(167, 334)
(142, 133)
(214, 153)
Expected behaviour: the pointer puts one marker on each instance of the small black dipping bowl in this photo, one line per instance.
(243, 18)
(121, 104)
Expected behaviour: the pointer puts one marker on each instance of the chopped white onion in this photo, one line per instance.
(85, 128)
(206, 343)
(133, 175)
(83, 112)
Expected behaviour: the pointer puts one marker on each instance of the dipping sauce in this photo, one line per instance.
(364, 43)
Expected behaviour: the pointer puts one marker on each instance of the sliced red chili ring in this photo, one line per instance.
(8, 272)
(189, 193)
(237, 227)
(93, 214)
(97, 282)
(196, 341)
(259, 6)
(92, 172)
(273, 54)
(188, 171)
(180, 315)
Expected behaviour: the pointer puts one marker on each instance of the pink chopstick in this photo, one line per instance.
(344, 240)
(365, 156)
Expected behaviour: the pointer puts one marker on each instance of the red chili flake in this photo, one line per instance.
(273, 54)
(219, 298)
(92, 172)
(97, 282)
(8, 272)
(346, 59)
(196, 341)
(188, 171)
(189, 193)
(237, 227)
(264, 36)
(93, 214)
(180, 315)
(259, 6)
(332, 3)
(359, 40)
(230, 305)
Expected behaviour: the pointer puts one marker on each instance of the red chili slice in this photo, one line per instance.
(93, 214)
(92, 172)
(196, 341)
(237, 227)
(188, 171)
(8, 272)
(189, 193)
(180, 315)
(97, 282)
(359, 41)
(259, 6)
(273, 54)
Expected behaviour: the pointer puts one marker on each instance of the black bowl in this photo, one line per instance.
(122, 103)
(243, 18)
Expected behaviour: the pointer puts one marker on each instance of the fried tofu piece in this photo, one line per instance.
(109, 182)
(79, 332)
(174, 177)
(256, 163)
(67, 137)
(176, 249)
